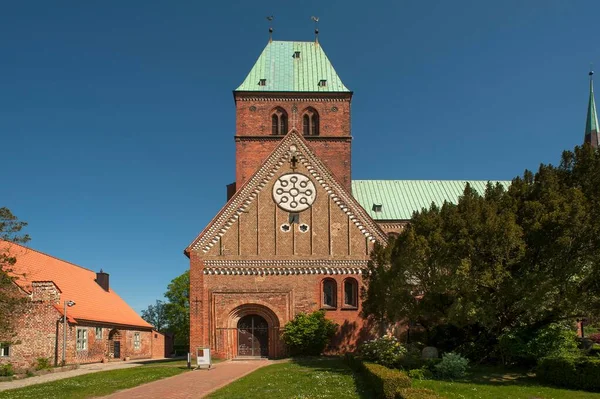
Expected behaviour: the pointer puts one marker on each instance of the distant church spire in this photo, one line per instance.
(592, 129)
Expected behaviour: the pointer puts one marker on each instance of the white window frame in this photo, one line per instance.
(99, 333)
(4, 350)
(137, 341)
(82, 338)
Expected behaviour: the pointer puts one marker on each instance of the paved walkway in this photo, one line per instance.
(193, 384)
(83, 369)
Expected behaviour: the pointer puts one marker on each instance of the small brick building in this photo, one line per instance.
(100, 325)
(296, 232)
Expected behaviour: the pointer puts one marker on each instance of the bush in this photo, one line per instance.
(308, 334)
(595, 338)
(525, 346)
(42, 363)
(6, 370)
(386, 351)
(385, 382)
(452, 365)
(416, 393)
(570, 372)
(420, 374)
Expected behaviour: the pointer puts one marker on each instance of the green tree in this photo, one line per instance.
(511, 259)
(12, 303)
(156, 315)
(177, 309)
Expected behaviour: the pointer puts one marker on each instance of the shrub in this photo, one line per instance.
(353, 362)
(595, 338)
(42, 363)
(386, 351)
(524, 346)
(420, 374)
(6, 370)
(416, 393)
(570, 372)
(308, 334)
(385, 382)
(452, 365)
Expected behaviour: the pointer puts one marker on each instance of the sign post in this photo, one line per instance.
(203, 358)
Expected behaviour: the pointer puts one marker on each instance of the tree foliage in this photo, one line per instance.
(12, 303)
(156, 315)
(173, 315)
(524, 257)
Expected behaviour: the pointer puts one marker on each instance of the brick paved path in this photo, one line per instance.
(192, 384)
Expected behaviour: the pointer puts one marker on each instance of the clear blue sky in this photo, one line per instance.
(117, 117)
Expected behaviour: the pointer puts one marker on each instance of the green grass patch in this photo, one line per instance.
(99, 383)
(493, 383)
(298, 379)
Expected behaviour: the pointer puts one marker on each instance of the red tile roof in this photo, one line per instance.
(76, 283)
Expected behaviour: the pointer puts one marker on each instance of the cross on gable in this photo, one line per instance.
(294, 162)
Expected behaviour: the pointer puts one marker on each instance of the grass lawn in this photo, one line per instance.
(493, 383)
(298, 379)
(100, 383)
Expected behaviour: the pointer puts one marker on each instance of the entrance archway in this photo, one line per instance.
(253, 336)
(114, 343)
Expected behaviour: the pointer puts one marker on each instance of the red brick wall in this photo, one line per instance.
(158, 345)
(254, 141)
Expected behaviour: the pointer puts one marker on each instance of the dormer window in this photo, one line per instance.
(296, 55)
(310, 122)
(322, 82)
(279, 122)
(262, 82)
(377, 207)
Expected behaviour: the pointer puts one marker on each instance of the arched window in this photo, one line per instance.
(279, 122)
(310, 122)
(329, 293)
(351, 292)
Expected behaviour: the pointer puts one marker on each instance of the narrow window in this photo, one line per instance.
(81, 339)
(98, 332)
(351, 293)
(294, 217)
(137, 343)
(310, 122)
(4, 350)
(279, 122)
(329, 293)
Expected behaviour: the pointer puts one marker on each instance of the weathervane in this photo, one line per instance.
(270, 18)
(316, 21)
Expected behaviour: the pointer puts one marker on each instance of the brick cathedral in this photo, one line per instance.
(296, 231)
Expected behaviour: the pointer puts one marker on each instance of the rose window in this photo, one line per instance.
(294, 192)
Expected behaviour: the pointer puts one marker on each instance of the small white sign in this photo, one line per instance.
(203, 358)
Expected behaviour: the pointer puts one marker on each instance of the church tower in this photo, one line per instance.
(592, 131)
(292, 85)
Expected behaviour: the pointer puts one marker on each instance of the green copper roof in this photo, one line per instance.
(591, 122)
(293, 66)
(400, 198)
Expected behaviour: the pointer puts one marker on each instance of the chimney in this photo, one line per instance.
(102, 280)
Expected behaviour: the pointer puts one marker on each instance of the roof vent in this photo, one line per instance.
(377, 207)
(322, 82)
(296, 54)
(262, 82)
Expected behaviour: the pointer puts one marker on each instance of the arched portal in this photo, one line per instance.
(114, 343)
(253, 336)
(252, 330)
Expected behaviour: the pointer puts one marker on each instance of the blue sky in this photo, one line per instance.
(117, 118)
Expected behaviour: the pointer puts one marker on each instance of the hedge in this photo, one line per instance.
(570, 372)
(416, 393)
(385, 382)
